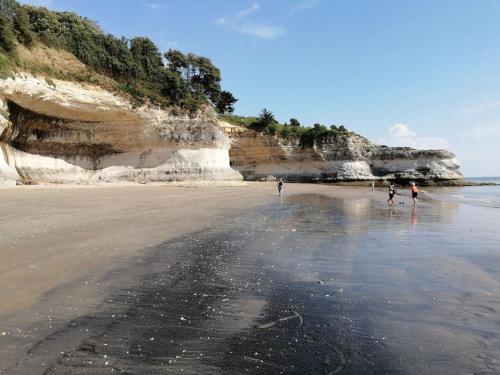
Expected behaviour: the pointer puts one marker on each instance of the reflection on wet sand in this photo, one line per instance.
(403, 287)
(414, 215)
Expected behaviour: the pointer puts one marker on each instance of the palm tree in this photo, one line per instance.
(266, 118)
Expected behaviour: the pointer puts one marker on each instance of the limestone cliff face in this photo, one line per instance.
(67, 132)
(343, 158)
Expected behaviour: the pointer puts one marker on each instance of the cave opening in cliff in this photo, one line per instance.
(48, 135)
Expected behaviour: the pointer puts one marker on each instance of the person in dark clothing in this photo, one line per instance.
(281, 185)
(392, 191)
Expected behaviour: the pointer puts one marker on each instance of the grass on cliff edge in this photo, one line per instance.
(5, 66)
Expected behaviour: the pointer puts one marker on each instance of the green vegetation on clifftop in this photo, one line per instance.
(141, 70)
(317, 135)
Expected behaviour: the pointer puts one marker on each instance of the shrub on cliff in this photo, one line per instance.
(7, 39)
(294, 122)
(8, 9)
(319, 135)
(22, 26)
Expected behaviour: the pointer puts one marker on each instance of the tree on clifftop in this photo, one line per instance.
(225, 102)
(266, 118)
(147, 56)
(177, 61)
(202, 78)
(294, 122)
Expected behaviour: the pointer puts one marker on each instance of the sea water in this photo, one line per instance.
(488, 196)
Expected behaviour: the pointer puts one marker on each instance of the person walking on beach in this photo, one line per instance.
(392, 191)
(281, 185)
(373, 185)
(414, 193)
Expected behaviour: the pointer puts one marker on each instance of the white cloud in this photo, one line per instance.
(241, 23)
(169, 43)
(482, 132)
(401, 130)
(220, 21)
(251, 9)
(481, 107)
(154, 5)
(400, 135)
(304, 5)
(262, 31)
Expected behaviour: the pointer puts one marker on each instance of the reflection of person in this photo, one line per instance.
(414, 215)
(392, 191)
(281, 185)
(414, 193)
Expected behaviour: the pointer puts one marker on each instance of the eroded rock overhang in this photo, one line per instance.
(68, 132)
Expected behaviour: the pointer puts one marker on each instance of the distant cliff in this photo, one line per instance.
(346, 157)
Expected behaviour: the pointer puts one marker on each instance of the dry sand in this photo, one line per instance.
(54, 234)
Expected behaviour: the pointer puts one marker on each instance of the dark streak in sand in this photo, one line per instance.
(201, 306)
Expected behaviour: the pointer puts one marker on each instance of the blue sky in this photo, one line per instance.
(420, 73)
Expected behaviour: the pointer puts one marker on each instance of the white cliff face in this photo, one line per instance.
(344, 158)
(4, 122)
(8, 173)
(76, 133)
(30, 168)
(198, 164)
(421, 167)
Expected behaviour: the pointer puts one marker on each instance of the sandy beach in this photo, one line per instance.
(234, 279)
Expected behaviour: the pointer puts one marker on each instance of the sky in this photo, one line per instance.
(420, 73)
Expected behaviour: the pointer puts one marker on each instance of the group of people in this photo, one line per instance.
(392, 190)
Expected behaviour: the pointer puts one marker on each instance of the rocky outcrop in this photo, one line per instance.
(344, 158)
(59, 131)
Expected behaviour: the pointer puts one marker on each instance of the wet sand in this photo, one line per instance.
(233, 280)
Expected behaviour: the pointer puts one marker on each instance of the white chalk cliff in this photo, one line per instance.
(345, 158)
(65, 132)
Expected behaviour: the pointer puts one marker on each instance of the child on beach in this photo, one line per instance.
(280, 186)
(414, 193)
(392, 191)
